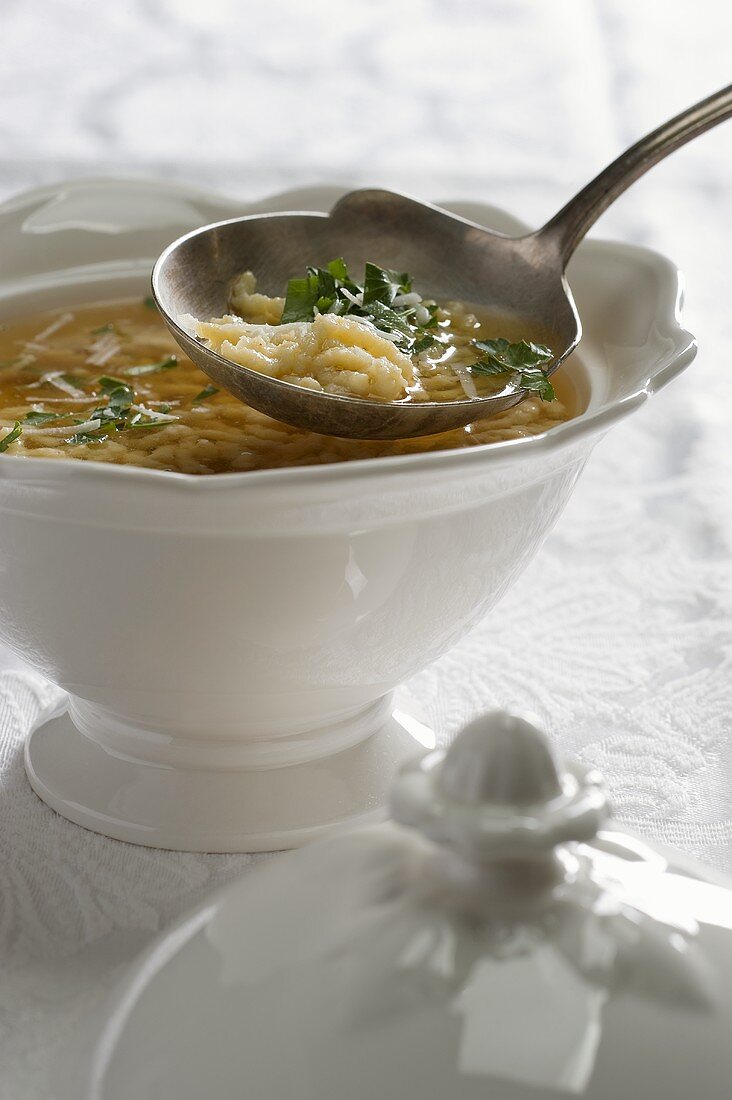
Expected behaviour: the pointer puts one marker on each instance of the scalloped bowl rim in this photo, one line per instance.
(587, 423)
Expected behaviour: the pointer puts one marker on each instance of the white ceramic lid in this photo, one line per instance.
(493, 942)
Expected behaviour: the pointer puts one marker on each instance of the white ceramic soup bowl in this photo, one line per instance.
(230, 645)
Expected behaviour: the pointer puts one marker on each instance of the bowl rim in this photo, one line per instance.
(681, 352)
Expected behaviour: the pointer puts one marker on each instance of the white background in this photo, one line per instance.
(620, 634)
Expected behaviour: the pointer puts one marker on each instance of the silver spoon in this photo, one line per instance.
(448, 257)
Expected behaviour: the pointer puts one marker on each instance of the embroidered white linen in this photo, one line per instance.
(619, 636)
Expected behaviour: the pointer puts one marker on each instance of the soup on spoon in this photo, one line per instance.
(377, 339)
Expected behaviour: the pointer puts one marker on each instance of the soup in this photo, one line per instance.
(108, 383)
(377, 339)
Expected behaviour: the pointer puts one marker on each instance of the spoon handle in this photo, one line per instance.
(567, 228)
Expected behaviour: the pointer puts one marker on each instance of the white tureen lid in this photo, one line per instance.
(493, 942)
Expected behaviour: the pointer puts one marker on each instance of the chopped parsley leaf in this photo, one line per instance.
(523, 359)
(119, 396)
(207, 391)
(97, 436)
(332, 290)
(38, 416)
(10, 437)
(423, 343)
(382, 285)
(338, 270)
(107, 383)
(301, 299)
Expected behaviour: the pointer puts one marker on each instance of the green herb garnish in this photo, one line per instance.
(115, 415)
(337, 268)
(98, 436)
(519, 356)
(154, 368)
(40, 417)
(301, 299)
(149, 302)
(390, 319)
(382, 285)
(109, 327)
(15, 433)
(332, 290)
(107, 383)
(118, 415)
(119, 395)
(423, 343)
(207, 391)
(523, 360)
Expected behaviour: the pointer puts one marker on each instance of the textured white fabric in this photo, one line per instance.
(619, 635)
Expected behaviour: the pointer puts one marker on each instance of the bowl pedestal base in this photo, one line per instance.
(226, 808)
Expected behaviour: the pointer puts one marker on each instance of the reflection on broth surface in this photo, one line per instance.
(108, 383)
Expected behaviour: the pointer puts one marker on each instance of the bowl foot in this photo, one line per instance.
(221, 810)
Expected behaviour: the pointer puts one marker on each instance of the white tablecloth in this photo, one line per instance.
(619, 635)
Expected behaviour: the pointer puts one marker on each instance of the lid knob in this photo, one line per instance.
(500, 792)
(502, 760)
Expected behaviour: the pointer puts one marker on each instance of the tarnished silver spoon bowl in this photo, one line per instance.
(448, 257)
